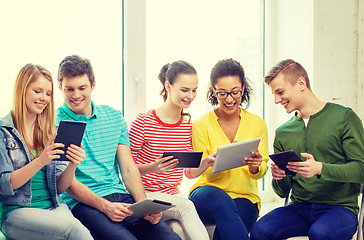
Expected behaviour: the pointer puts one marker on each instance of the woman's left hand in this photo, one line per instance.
(75, 154)
(253, 162)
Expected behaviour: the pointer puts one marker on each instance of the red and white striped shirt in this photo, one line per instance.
(149, 138)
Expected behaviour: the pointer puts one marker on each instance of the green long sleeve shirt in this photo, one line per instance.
(335, 137)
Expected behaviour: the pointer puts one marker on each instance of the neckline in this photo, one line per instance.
(167, 124)
(222, 131)
(316, 114)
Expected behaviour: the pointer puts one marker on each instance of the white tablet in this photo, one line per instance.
(231, 155)
(148, 206)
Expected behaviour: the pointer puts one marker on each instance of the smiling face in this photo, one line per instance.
(228, 84)
(77, 94)
(183, 90)
(38, 95)
(286, 94)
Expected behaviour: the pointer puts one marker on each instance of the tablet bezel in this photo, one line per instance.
(281, 159)
(148, 206)
(185, 159)
(69, 132)
(231, 155)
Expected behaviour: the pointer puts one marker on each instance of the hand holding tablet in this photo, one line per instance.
(69, 132)
(281, 159)
(185, 159)
(148, 206)
(231, 155)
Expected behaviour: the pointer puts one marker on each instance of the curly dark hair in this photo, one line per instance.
(228, 67)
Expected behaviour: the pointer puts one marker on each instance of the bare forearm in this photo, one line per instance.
(196, 172)
(65, 180)
(146, 168)
(206, 166)
(83, 194)
(130, 172)
(134, 183)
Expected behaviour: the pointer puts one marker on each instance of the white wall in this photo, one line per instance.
(289, 34)
(45, 31)
(360, 63)
(335, 51)
(135, 58)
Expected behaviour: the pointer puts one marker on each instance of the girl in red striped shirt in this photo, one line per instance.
(168, 128)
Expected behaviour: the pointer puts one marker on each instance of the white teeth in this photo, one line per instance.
(40, 104)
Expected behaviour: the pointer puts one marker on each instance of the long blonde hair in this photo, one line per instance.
(44, 124)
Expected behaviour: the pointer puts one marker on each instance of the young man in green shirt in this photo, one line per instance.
(330, 140)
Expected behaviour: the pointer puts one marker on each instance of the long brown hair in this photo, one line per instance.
(44, 124)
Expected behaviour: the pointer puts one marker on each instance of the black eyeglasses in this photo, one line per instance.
(233, 94)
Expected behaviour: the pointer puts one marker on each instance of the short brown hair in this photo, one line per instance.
(73, 66)
(291, 69)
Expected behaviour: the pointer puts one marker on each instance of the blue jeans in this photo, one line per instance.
(318, 221)
(102, 228)
(233, 217)
(44, 224)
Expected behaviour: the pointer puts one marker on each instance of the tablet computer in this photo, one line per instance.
(231, 155)
(69, 132)
(148, 206)
(282, 158)
(185, 159)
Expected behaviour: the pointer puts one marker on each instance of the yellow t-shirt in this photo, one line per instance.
(207, 136)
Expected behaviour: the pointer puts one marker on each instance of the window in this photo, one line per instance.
(203, 33)
(44, 32)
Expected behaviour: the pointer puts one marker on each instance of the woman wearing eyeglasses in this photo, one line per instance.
(230, 198)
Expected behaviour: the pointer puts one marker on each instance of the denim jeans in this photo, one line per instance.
(44, 224)
(318, 221)
(185, 213)
(233, 217)
(102, 228)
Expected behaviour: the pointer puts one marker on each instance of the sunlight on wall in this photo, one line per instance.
(202, 35)
(44, 32)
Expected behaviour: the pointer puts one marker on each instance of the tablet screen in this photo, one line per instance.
(231, 155)
(282, 158)
(69, 132)
(186, 159)
(149, 206)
